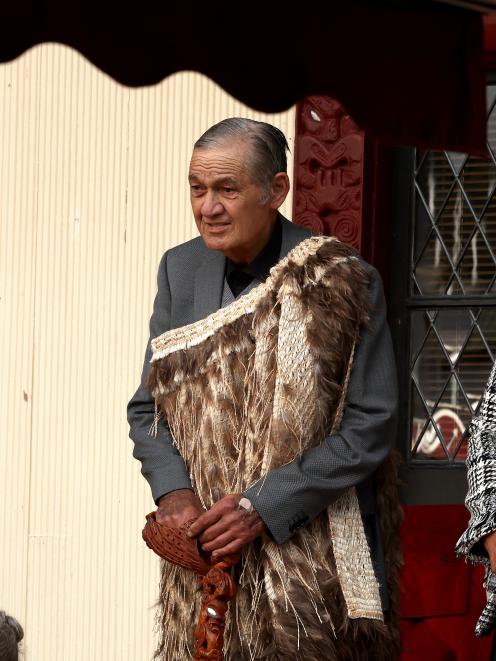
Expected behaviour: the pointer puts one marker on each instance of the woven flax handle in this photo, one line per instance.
(174, 545)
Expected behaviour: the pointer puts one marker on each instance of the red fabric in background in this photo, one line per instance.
(441, 596)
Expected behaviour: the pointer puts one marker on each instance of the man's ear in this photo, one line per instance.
(279, 190)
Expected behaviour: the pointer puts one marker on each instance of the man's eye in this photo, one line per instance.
(228, 189)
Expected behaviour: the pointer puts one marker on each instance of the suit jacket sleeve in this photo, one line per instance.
(290, 497)
(161, 463)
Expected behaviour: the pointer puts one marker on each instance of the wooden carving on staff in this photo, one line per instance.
(218, 586)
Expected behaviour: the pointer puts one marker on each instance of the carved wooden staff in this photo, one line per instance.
(218, 586)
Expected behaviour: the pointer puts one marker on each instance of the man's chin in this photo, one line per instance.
(215, 242)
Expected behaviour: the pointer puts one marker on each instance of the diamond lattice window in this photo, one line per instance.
(452, 295)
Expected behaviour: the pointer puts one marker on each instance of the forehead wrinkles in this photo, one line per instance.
(215, 166)
(230, 162)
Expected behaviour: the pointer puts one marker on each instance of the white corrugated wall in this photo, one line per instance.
(92, 190)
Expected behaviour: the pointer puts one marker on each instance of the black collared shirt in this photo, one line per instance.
(239, 277)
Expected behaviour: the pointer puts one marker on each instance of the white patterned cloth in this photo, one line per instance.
(481, 497)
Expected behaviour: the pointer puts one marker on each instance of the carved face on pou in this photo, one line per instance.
(232, 212)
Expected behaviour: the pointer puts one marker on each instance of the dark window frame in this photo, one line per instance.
(424, 481)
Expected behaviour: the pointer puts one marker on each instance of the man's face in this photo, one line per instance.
(227, 204)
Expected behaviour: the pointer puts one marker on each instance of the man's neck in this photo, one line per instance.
(248, 255)
(260, 266)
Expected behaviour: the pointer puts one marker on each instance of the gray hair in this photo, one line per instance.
(269, 146)
(11, 634)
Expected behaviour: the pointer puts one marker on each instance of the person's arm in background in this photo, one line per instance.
(490, 545)
(478, 542)
(161, 463)
(488, 408)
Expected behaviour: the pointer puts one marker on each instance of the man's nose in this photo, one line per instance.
(211, 205)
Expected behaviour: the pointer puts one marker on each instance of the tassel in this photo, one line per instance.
(153, 431)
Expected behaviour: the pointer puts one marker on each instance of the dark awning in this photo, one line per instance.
(408, 72)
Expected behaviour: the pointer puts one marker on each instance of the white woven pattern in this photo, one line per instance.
(295, 372)
(196, 333)
(354, 566)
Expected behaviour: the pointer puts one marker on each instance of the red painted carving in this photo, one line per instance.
(329, 154)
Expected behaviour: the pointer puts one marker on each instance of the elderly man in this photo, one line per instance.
(276, 397)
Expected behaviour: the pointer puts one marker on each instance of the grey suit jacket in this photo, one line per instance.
(190, 285)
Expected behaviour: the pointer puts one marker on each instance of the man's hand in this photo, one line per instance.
(177, 507)
(490, 546)
(225, 528)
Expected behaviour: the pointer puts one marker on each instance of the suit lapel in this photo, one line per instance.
(209, 282)
(209, 278)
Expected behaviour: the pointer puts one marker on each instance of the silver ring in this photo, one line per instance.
(245, 504)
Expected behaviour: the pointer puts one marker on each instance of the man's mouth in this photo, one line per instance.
(215, 228)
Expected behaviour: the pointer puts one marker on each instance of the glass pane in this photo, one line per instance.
(456, 224)
(431, 446)
(435, 179)
(473, 368)
(477, 268)
(420, 324)
(478, 179)
(423, 226)
(453, 328)
(442, 437)
(491, 122)
(488, 224)
(452, 416)
(419, 418)
(490, 97)
(487, 326)
(461, 454)
(455, 287)
(457, 161)
(433, 270)
(431, 370)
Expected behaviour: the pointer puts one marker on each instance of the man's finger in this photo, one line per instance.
(235, 523)
(237, 544)
(233, 547)
(205, 520)
(228, 521)
(221, 541)
(211, 516)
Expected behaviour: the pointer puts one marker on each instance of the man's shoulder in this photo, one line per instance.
(295, 232)
(194, 248)
(188, 255)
